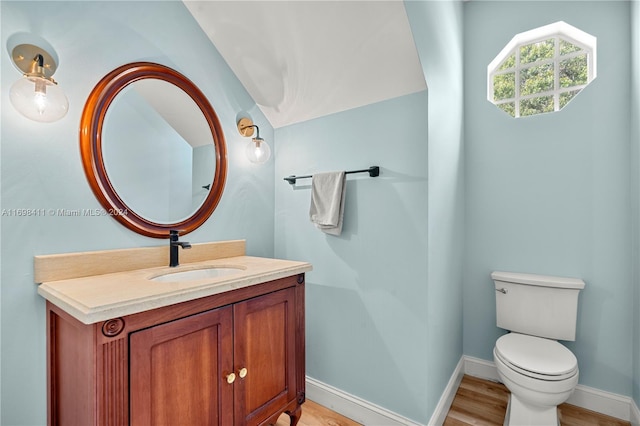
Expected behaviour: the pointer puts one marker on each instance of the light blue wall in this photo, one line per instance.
(41, 165)
(365, 297)
(384, 318)
(153, 175)
(635, 187)
(437, 32)
(549, 194)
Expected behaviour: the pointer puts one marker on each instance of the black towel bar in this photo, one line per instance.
(373, 172)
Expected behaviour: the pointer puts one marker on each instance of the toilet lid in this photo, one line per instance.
(537, 355)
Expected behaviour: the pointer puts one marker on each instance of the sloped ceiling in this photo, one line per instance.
(301, 60)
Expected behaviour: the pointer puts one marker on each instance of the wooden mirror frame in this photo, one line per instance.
(91, 124)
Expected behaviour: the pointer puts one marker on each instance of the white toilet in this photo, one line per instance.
(539, 372)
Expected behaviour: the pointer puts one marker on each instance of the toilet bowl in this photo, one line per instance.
(540, 374)
(539, 371)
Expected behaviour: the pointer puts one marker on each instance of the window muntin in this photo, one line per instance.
(541, 70)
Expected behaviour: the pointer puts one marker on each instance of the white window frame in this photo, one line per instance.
(557, 31)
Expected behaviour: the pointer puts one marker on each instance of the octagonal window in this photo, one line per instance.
(541, 70)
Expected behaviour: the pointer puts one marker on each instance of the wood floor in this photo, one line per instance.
(482, 402)
(314, 414)
(477, 402)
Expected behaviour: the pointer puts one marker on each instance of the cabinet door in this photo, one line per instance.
(178, 371)
(264, 329)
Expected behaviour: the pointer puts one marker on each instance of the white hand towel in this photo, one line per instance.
(327, 201)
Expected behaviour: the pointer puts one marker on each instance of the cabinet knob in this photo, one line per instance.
(231, 377)
(242, 373)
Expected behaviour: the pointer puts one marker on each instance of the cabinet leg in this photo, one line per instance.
(294, 415)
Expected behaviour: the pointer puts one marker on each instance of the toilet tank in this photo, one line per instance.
(537, 305)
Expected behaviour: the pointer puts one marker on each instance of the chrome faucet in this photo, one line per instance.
(173, 247)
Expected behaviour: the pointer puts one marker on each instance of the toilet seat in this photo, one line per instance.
(536, 357)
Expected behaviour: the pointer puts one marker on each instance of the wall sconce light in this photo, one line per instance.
(257, 151)
(37, 96)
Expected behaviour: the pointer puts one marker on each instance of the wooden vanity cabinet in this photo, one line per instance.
(236, 358)
(176, 371)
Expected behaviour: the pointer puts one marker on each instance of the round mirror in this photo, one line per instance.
(153, 149)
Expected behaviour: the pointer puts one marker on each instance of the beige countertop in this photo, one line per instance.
(95, 298)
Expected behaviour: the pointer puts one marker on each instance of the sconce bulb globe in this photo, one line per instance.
(39, 99)
(258, 151)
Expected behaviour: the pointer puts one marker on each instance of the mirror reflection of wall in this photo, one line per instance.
(203, 158)
(155, 153)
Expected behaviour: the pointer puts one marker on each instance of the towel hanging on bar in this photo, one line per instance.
(327, 201)
(373, 172)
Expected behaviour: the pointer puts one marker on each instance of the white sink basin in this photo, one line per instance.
(196, 274)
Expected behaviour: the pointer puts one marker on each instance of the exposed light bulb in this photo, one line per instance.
(36, 95)
(258, 151)
(39, 99)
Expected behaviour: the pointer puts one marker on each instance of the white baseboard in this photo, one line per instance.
(440, 413)
(370, 414)
(603, 402)
(353, 407)
(635, 414)
(481, 368)
(467, 365)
